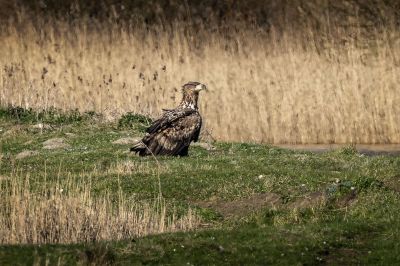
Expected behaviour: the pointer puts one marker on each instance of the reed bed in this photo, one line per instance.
(271, 87)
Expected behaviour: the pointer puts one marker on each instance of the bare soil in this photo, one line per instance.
(243, 207)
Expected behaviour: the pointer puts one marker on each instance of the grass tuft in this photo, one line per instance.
(50, 116)
(135, 121)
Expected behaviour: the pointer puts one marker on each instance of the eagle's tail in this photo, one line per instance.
(139, 147)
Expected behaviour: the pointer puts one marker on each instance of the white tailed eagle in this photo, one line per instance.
(173, 132)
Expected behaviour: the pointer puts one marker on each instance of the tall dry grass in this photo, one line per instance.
(37, 211)
(286, 87)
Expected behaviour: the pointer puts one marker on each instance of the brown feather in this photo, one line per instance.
(173, 132)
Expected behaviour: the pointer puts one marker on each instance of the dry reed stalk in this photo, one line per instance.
(264, 88)
(67, 212)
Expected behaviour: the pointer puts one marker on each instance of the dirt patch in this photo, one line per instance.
(55, 143)
(311, 200)
(393, 183)
(345, 256)
(243, 207)
(126, 141)
(26, 154)
(348, 200)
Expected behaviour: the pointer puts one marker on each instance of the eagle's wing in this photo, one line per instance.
(172, 133)
(168, 118)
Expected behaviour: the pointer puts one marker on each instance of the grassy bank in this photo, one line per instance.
(242, 203)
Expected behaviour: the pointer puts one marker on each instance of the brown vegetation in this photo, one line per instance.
(335, 80)
(67, 212)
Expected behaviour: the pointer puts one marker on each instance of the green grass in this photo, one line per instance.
(358, 222)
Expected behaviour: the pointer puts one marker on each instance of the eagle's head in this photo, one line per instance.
(191, 94)
(193, 87)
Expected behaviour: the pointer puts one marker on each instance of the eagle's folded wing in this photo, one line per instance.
(175, 138)
(168, 118)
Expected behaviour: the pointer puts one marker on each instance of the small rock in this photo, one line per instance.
(55, 143)
(126, 141)
(204, 145)
(26, 154)
(41, 126)
(68, 134)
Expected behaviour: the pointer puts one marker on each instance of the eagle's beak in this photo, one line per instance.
(201, 87)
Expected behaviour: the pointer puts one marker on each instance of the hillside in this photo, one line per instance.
(231, 203)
